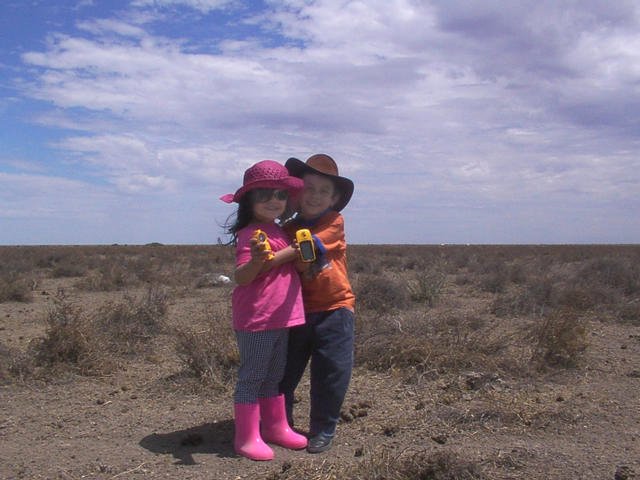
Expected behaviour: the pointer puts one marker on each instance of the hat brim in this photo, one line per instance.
(298, 168)
(292, 184)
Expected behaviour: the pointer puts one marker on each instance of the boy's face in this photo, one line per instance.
(318, 195)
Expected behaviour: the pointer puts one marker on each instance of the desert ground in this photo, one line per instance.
(472, 362)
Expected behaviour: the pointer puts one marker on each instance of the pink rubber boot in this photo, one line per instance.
(247, 441)
(274, 425)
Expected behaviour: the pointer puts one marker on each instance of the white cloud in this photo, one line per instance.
(481, 104)
(38, 196)
(201, 5)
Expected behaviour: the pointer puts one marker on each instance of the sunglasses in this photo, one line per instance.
(261, 195)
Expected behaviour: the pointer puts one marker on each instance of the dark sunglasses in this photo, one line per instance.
(262, 195)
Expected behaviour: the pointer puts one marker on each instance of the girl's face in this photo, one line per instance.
(318, 195)
(268, 204)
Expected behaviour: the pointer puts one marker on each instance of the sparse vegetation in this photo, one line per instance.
(559, 339)
(132, 323)
(210, 355)
(426, 286)
(69, 340)
(459, 349)
(388, 465)
(14, 288)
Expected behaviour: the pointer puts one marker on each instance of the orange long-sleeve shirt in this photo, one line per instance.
(330, 288)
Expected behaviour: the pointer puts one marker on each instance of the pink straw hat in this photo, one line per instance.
(265, 174)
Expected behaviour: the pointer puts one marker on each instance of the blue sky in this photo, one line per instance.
(459, 121)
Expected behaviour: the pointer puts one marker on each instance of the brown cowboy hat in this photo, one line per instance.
(322, 164)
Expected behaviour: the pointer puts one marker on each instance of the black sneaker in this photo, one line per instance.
(320, 443)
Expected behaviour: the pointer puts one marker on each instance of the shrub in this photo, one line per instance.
(106, 278)
(14, 364)
(616, 272)
(559, 339)
(15, 288)
(424, 344)
(532, 299)
(69, 340)
(68, 271)
(210, 355)
(630, 313)
(381, 293)
(384, 464)
(494, 282)
(426, 286)
(133, 322)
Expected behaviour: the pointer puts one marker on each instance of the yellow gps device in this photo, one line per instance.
(263, 243)
(305, 242)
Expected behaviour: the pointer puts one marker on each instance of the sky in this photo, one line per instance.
(459, 121)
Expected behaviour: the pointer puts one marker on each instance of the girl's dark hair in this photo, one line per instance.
(243, 216)
(240, 219)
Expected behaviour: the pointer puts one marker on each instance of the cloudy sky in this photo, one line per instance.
(459, 121)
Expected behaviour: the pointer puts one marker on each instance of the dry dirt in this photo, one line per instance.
(142, 422)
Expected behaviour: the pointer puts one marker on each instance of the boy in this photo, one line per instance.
(327, 336)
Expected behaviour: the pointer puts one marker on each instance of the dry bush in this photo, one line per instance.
(534, 298)
(361, 264)
(381, 293)
(65, 263)
(383, 464)
(424, 344)
(16, 259)
(15, 288)
(426, 286)
(128, 325)
(616, 272)
(210, 355)
(68, 271)
(600, 283)
(629, 312)
(70, 341)
(14, 364)
(119, 267)
(559, 339)
(107, 278)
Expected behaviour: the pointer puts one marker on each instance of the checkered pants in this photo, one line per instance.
(263, 356)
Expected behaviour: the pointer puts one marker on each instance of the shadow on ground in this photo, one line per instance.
(209, 438)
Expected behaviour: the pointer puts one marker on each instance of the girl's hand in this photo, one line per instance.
(258, 254)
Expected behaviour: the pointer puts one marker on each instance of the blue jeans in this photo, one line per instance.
(327, 339)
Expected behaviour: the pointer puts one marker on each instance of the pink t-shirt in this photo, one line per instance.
(274, 298)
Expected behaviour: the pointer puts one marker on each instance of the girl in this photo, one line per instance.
(266, 302)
